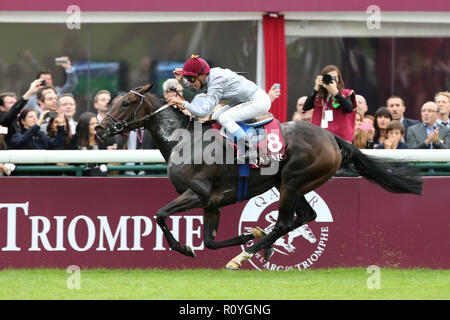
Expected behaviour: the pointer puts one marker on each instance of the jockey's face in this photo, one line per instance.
(200, 82)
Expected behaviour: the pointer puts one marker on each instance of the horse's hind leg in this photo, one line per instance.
(211, 222)
(304, 212)
(282, 226)
(186, 201)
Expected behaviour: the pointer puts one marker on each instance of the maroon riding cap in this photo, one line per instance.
(195, 66)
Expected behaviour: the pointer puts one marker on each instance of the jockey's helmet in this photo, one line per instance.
(195, 66)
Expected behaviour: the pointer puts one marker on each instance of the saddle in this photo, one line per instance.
(254, 128)
(265, 135)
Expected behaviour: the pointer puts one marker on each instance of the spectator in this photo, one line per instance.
(361, 140)
(86, 139)
(428, 134)
(171, 88)
(442, 99)
(8, 118)
(68, 106)
(3, 133)
(53, 127)
(296, 116)
(101, 104)
(138, 140)
(333, 104)
(361, 104)
(68, 87)
(364, 132)
(397, 108)
(302, 114)
(5, 168)
(367, 125)
(382, 119)
(358, 120)
(40, 97)
(360, 137)
(8, 100)
(300, 103)
(48, 101)
(369, 119)
(394, 132)
(31, 137)
(274, 92)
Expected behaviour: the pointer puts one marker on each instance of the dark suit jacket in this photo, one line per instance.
(417, 135)
(408, 123)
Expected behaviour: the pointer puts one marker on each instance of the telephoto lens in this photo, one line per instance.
(327, 79)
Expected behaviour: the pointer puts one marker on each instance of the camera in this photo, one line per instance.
(43, 82)
(327, 79)
(52, 114)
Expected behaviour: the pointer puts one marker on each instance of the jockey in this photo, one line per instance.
(244, 99)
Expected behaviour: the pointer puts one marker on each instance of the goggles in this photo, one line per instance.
(190, 79)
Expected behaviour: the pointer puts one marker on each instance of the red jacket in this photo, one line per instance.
(343, 124)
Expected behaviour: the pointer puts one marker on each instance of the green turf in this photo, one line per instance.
(224, 284)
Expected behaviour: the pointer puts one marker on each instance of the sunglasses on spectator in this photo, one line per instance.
(190, 79)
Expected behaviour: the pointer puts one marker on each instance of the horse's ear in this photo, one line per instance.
(147, 87)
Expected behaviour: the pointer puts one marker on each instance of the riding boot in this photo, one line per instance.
(245, 143)
(242, 155)
(252, 151)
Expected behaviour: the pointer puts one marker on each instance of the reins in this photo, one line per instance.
(118, 125)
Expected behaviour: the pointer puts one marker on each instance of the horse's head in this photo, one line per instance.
(128, 113)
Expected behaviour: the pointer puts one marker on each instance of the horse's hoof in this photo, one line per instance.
(258, 233)
(233, 265)
(190, 252)
(268, 253)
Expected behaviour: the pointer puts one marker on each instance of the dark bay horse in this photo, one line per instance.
(313, 157)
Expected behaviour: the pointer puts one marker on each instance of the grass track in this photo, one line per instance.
(207, 284)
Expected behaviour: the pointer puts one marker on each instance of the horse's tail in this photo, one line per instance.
(392, 179)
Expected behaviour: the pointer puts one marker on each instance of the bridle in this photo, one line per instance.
(118, 126)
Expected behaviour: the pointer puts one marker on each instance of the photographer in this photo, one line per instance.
(69, 85)
(31, 137)
(8, 118)
(334, 106)
(48, 101)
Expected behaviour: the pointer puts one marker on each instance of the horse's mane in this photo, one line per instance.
(178, 114)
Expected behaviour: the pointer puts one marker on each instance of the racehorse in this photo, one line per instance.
(313, 157)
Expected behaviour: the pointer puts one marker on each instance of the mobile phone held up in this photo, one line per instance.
(365, 126)
(277, 86)
(52, 114)
(60, 61)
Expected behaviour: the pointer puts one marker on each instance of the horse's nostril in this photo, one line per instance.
(98, 128)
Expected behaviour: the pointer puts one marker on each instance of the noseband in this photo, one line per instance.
(118, 126)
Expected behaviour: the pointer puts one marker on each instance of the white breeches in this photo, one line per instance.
(228, 116)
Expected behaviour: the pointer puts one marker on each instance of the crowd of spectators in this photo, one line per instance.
(44, 117)
(328, 107)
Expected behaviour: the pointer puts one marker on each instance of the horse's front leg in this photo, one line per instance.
(186, 201)
(211, 222)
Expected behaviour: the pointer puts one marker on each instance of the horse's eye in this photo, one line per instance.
(125, 104)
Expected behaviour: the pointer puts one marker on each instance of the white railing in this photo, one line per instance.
(80, 156)
(154, 156)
